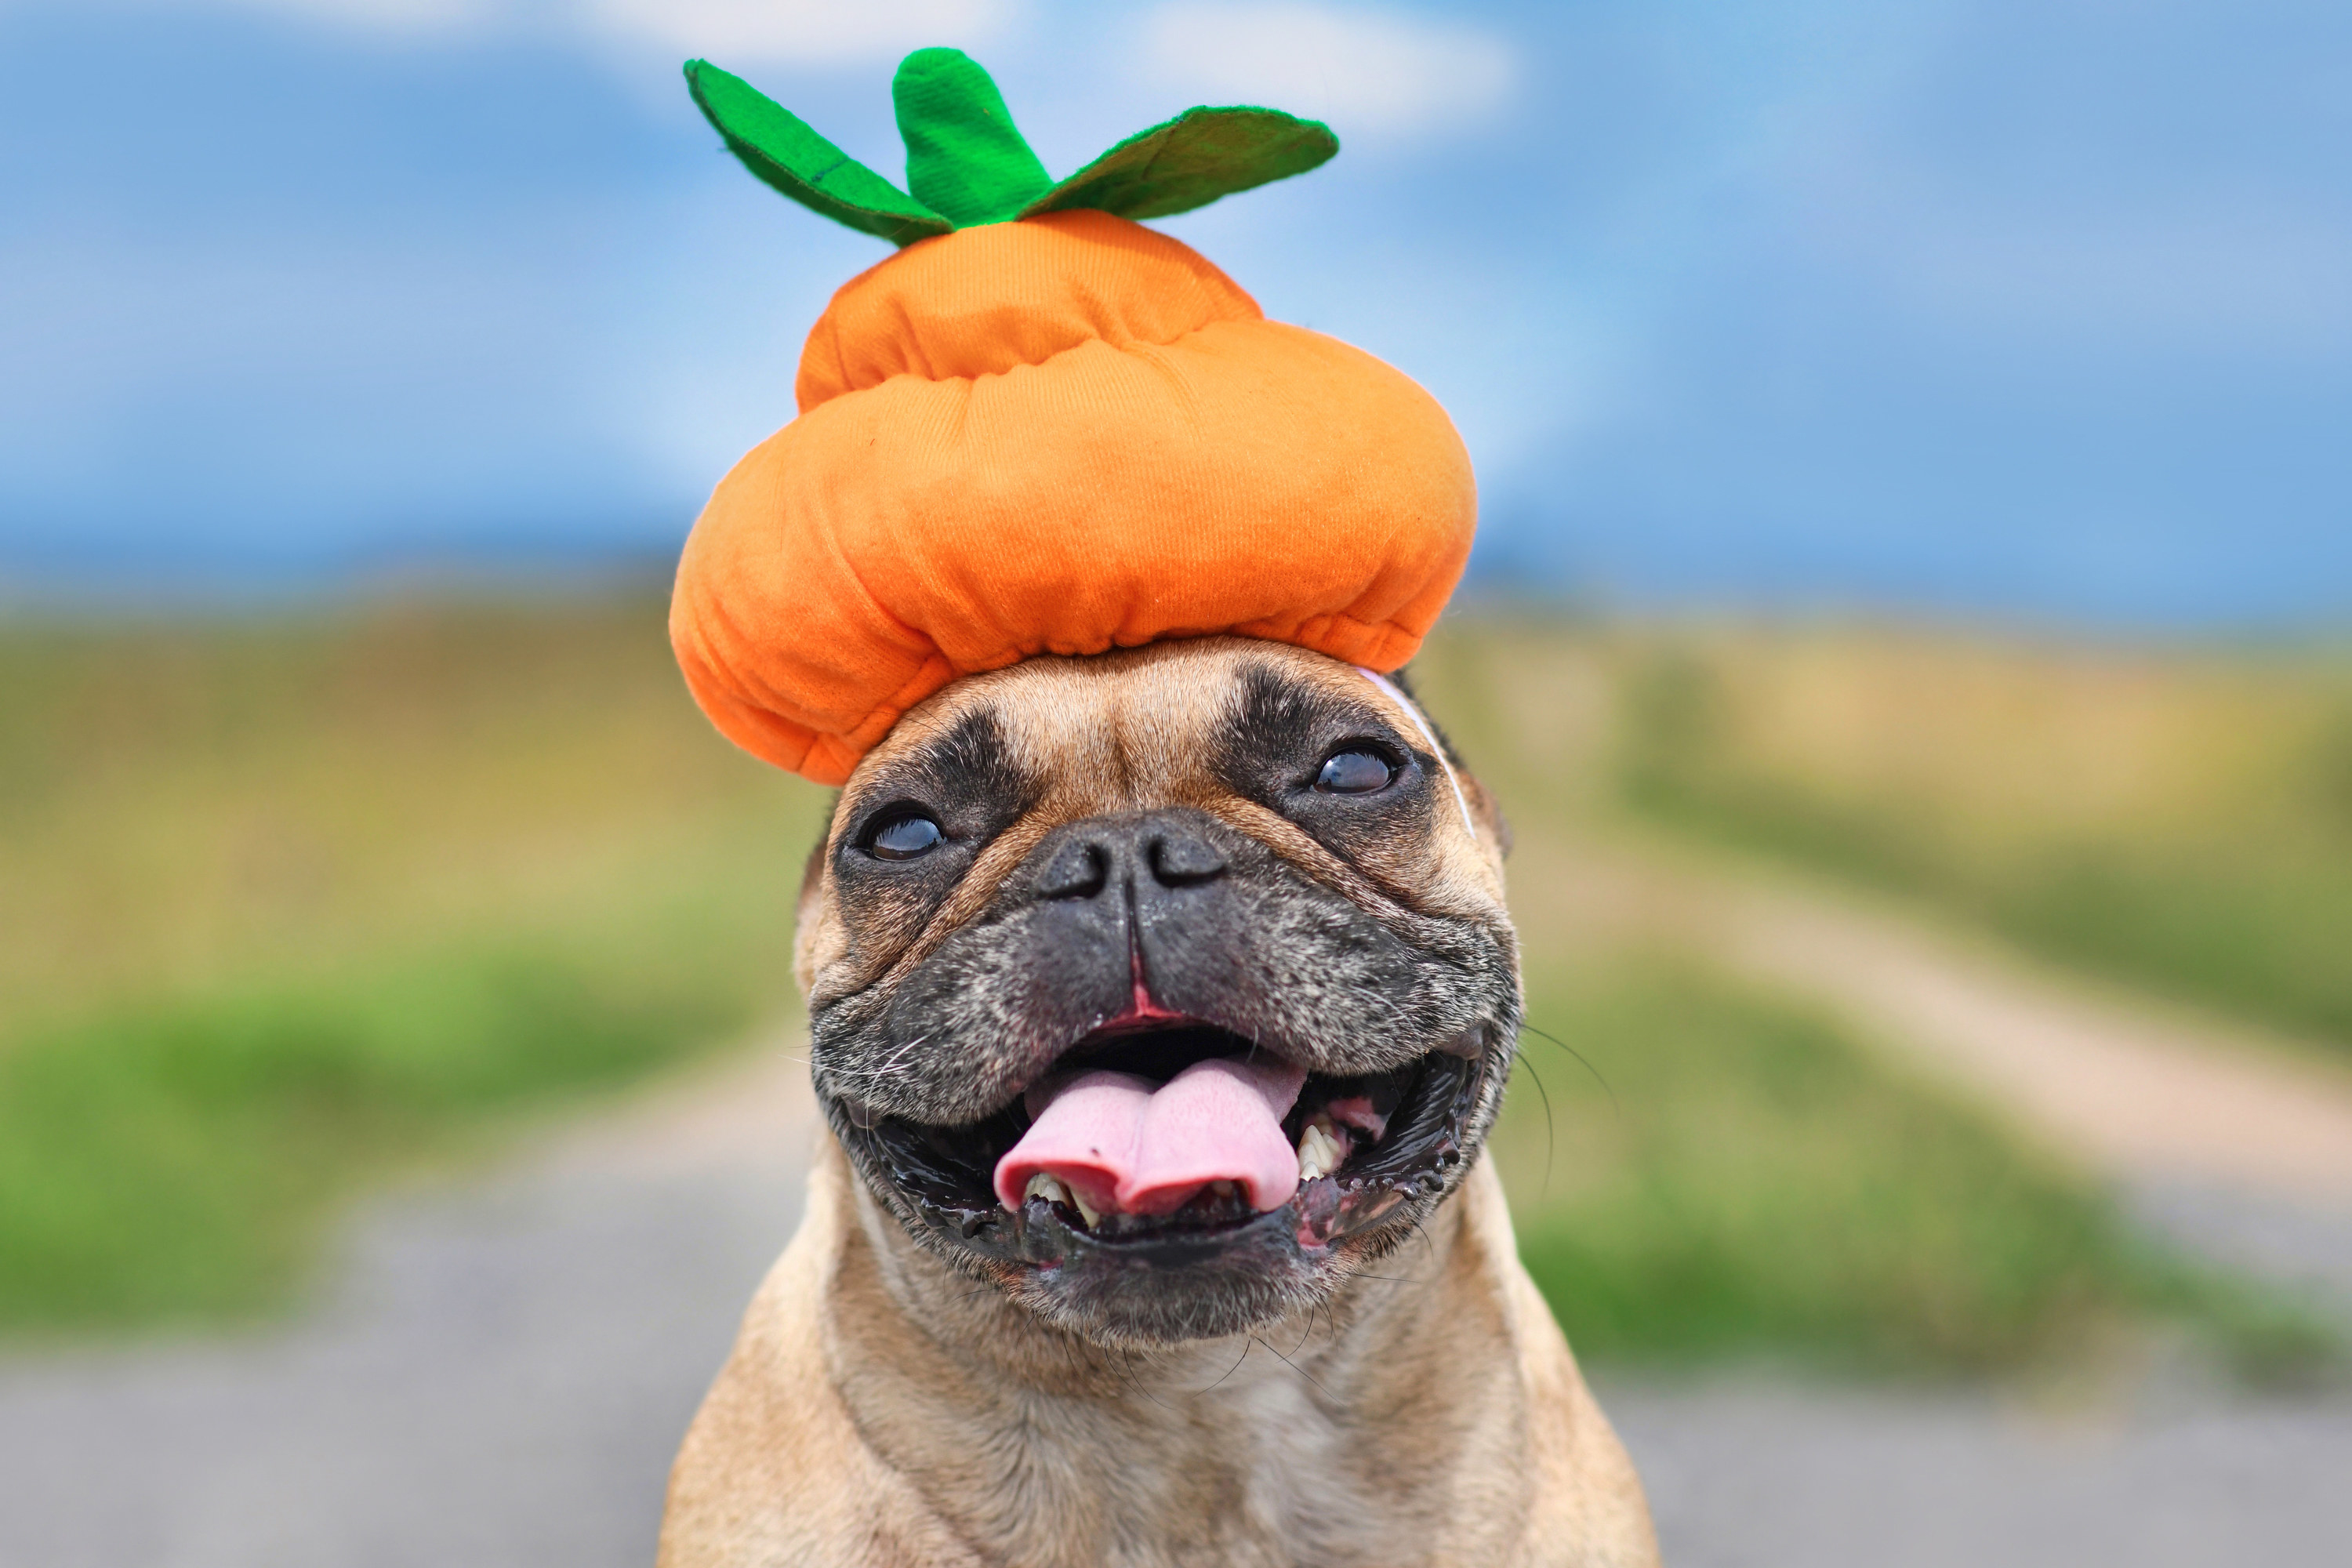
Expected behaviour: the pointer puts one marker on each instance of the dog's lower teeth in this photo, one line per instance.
(1047, 1187)
(1320, 1152)
(1054, 1190)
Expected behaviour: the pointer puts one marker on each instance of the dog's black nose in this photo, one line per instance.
(1180, 858)
(1154, 849)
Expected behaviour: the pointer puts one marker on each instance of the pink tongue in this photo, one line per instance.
(1129, 1148)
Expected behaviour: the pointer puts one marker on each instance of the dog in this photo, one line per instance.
(1094, 948)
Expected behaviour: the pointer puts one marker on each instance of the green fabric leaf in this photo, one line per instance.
(1190, 161)
(965, 159)
(778, 146)
(967, 164)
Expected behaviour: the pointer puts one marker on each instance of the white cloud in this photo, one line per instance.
(799, 31)
(1362, 69)
(795, 32)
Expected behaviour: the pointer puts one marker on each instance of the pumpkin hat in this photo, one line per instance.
(1041, 427)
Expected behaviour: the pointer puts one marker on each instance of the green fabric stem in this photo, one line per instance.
(965, 159)
(967, 162)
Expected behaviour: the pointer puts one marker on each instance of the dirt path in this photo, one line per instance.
(2124, 1085)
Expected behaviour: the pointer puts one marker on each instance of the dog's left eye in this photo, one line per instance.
(1355, 773)
(904, 837)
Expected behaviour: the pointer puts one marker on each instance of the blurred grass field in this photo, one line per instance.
(1724, 1174)
(291, 903)
(2179, 821)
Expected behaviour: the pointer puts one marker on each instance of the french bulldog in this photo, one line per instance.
(1160, 1004)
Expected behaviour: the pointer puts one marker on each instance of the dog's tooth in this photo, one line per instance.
(1319, 1153)
(1046, 1187)
(1054, 1190)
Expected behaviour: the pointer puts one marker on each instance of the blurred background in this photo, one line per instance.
(1909, 630)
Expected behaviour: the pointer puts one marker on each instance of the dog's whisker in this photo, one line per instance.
(898, 1059)
(1519, 1058)
(1135, 1381)
(1422, 1231)
(1403, 1022)
(1585, 1062)
(879, 1071)
(1231, 1370)
(1070, 1355)
(1303, 1372)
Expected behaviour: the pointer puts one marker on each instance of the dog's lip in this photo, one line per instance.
(1314, 1218)
(1087, 1050)
(1115, 1043)
(1170, 1246)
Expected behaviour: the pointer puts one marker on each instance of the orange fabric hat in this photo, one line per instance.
(1059, 434)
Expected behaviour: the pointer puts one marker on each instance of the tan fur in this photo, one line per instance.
(880, 1408)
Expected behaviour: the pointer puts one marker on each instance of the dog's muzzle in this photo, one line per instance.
(1174, 1128)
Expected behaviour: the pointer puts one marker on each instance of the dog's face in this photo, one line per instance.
(1124, 866)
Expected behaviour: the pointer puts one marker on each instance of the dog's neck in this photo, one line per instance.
(1350, 1435)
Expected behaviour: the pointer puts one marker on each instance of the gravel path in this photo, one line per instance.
(1800, 1478)
(500, 1379)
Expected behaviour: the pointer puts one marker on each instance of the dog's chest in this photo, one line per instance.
(1257, 1472)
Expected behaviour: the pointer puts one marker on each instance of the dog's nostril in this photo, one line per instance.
(1077, 870)
(1180, 858)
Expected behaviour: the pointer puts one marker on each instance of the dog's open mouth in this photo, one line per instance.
(1165, 1131)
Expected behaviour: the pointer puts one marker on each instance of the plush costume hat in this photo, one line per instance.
(1041, 427)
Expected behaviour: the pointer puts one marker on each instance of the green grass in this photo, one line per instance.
(179, 1159)
(293, 905)
(1752, 1184)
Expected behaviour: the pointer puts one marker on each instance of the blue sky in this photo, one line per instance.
(2036, 308)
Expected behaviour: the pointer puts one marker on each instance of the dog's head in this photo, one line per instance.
(1057, 889)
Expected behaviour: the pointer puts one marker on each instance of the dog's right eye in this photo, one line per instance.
(1356, 771)
(904, 837)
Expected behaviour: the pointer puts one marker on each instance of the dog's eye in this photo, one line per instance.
(1355, 773)
(904, 837)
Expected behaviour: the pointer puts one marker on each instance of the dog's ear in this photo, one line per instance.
(808, 906)
(812, 872)
(1484, 807)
